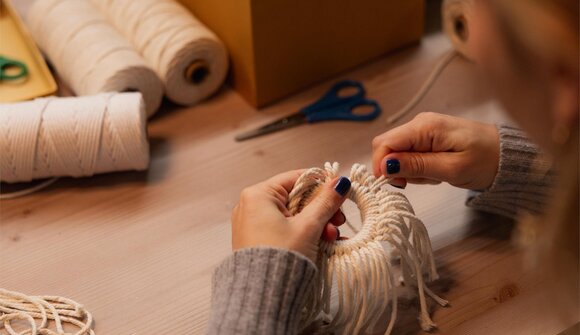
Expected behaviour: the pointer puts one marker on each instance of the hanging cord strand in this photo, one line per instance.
(427, 84)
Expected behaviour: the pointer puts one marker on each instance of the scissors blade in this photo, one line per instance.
(284, 123)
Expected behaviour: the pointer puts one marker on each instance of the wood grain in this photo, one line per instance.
(138, 249)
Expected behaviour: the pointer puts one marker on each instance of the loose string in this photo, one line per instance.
(360, 267)
(52, 137)
(425, 87)
(456, 16)
(189, 58)
(29, 190)
(39, 311)
(88, 53)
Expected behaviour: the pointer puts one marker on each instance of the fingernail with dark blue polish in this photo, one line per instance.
(393, 166)
(342, 186)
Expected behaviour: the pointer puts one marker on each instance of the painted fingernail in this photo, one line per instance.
(337, 233)
(342, 186)
(393, 166)
(397, 186)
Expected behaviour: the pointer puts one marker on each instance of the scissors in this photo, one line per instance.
(332, 106)
(6, 64)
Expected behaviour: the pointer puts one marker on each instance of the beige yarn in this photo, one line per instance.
(174, 43)
(88, 53)
(360, 267)
(15, 306)
(76, 137)
(425, 87)
(457, 17)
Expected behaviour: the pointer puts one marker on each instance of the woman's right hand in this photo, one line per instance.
(434, 148)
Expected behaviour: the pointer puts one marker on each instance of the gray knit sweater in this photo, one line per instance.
(262, 290)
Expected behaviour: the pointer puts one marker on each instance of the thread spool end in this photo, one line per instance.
(197, 72)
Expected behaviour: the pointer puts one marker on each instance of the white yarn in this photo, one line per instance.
(28, 190)
(75, 137)
(439, 67)
(15, 306)
(361, 265)
(88, 53)
(456, 17)
(174, 43)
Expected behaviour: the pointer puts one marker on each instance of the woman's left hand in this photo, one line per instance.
(261, 217)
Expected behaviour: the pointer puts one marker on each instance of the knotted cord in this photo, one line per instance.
(61, 311)
(360, 267)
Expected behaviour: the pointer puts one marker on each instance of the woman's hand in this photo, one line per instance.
(434, 148)
(261, 217)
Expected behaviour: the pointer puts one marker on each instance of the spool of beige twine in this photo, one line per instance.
(88, 53)
(77, 137)
(457, 17)
(189, 58)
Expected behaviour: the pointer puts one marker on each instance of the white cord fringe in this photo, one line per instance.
(361, 265)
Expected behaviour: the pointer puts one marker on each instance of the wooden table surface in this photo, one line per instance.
(138, 249)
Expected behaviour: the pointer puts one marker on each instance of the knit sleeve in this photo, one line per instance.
(523, 179)
(260, 291)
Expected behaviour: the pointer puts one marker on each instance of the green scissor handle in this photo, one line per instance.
(6, 63)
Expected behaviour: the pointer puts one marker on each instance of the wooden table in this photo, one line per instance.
(138, 249)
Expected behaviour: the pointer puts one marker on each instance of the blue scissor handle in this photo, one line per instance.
(334, 107)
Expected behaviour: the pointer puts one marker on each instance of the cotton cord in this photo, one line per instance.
(441, 65)
(189, 58)
(39, 312)
(88, 53)
(360, 267)
(75, 137)
(457, 17)
(28, 190)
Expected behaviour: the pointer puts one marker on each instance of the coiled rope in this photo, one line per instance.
(360, 267)
(15, 306)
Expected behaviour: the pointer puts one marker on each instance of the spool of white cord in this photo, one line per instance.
(76, 137)
(189, 58)
(88, 53)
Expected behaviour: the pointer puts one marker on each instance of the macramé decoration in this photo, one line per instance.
(360, 267)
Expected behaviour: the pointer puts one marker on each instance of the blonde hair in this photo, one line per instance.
(549, 30)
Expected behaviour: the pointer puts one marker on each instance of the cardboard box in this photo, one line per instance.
(278, 47)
